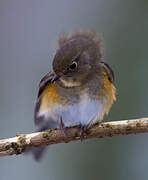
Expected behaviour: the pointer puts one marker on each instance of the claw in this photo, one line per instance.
(62, 128)
(83, 132)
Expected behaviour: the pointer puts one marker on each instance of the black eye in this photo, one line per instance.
(73, 65)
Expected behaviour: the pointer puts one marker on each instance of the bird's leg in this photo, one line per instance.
(62, 128)
(83, 131)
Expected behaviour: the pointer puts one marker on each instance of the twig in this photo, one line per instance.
(22, 142)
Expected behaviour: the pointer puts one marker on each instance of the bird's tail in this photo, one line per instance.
(38, 151)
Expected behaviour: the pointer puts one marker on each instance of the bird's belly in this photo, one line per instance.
(84, 112)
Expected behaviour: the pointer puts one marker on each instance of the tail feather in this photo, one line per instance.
(38, 152)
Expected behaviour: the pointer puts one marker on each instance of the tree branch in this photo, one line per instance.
(22, 142)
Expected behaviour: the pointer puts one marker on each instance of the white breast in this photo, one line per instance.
(85, 112)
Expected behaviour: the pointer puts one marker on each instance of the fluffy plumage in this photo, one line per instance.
(82, 93)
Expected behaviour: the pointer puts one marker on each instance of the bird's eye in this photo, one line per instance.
(73, 65)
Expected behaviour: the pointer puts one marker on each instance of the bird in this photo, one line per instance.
(79, 89)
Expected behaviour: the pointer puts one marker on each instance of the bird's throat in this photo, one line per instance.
(69, 83)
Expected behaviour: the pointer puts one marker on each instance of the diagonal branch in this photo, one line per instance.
(22, 142)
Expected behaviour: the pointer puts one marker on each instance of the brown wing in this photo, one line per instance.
(109, 71)
(43, 83)
(108, 85)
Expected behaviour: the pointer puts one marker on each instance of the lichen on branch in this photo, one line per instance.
(23, 142)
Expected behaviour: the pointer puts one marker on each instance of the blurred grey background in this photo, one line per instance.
(28, 32)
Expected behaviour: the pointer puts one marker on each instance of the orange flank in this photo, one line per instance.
(109, 91)
(49, 97)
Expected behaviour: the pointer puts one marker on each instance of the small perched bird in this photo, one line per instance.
(79, 89)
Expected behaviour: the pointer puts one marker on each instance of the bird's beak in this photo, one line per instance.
(55, 77)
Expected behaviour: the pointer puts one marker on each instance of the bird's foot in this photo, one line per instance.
(83, 132)
(62, 128)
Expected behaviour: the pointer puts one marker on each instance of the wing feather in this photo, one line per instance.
(109, 71)
(43, 83)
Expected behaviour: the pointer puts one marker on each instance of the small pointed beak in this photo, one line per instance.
(55, 77)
